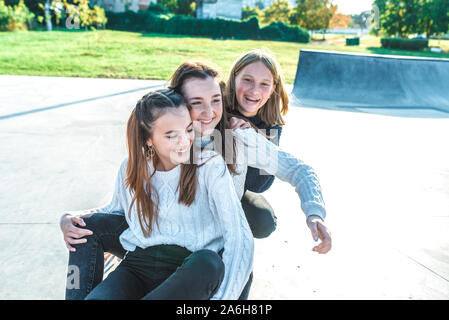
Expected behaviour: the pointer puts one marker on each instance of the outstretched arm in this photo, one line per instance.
(263, 154)
(319, 232)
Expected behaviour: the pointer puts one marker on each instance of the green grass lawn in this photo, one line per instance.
(115, 54)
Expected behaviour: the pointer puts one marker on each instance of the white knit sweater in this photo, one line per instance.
(215, 220)
(254, 150)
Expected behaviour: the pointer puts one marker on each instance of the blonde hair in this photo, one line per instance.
(277, 105)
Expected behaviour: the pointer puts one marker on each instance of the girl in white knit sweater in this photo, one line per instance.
(187, 236)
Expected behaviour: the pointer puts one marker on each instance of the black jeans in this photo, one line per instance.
(259, 214)
(163, 272)
(86, 265)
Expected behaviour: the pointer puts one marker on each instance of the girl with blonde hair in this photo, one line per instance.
(255, 91)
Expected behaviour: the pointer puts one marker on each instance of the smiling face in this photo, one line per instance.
(172, 137)
(253, 87)
(205, 100)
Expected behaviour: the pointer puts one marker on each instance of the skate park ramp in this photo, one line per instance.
(387, 85)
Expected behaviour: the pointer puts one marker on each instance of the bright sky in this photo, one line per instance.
(353, 6)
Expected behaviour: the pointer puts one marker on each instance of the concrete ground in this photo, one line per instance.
(385, 181)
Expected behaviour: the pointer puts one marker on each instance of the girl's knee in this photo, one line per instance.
(208, 262)
(93, 221)
(264, 225)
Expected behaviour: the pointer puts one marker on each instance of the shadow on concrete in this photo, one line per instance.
(18, 114)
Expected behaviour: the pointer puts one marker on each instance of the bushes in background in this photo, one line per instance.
(148, 22)
(353, 41)
(155, 20)
(404, 44)
(284, 32)
(15, 17)
(71, 14)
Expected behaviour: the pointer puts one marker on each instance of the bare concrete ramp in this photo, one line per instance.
(389, 85)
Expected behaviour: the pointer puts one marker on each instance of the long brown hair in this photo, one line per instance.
(139, 129)
(199, 70)
(277, 105)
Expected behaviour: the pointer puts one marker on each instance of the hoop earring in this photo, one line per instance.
(150, 152)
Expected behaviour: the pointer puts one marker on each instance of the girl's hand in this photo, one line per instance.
(238, 123)
(72, 234)
(319, 231)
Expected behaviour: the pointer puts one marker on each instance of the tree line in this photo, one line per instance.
(405, 17)
(308, 14)
(398, 18)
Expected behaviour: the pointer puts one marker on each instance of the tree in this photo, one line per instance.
(184, 7)
(248, 12)
(14, 17)
(313, 14)
(260, 5)
(397, 17)
(362, 20)
(279, 10)
(170, 5)
(48, 7)
(340, 21)
(434, 17)
(32, 5)
(405, 17)
(77, 12)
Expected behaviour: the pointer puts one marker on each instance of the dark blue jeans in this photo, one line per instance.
(88, 259)
(259, 214)
(86, 264)
(164, 272)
